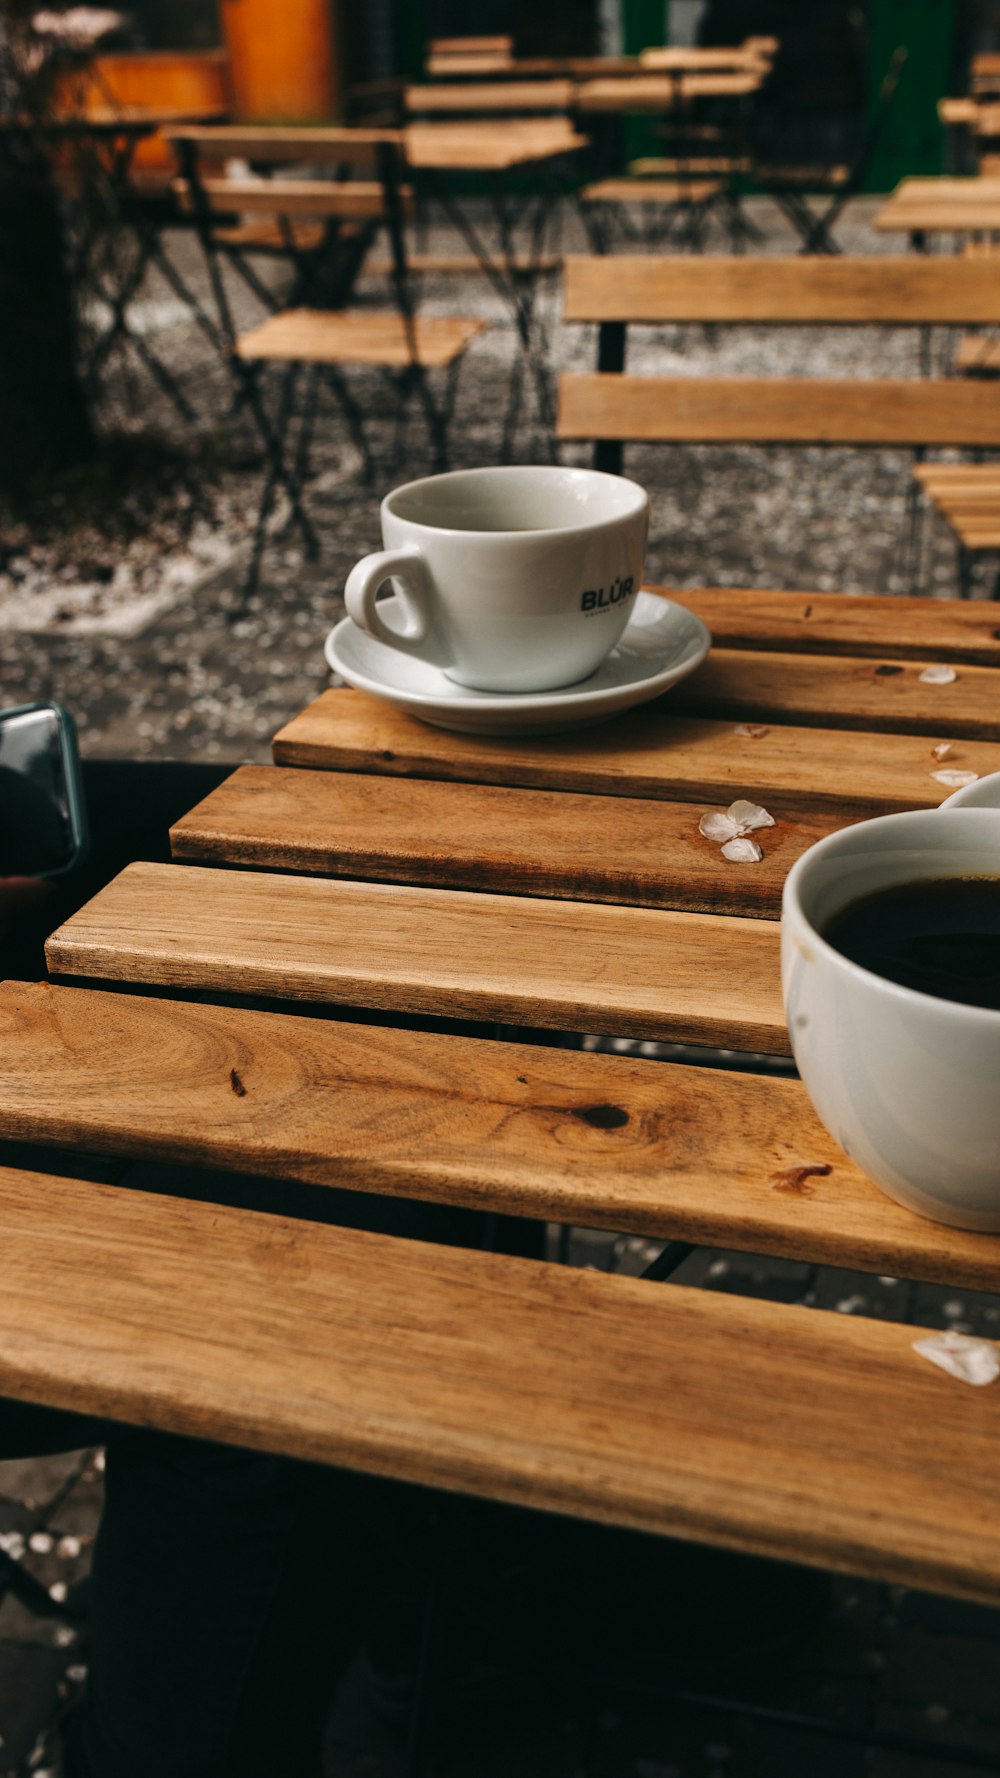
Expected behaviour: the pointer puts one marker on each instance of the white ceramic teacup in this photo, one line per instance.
(516, 579)
(908, 1084)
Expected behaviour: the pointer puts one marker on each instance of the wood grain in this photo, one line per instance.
(569, 1136)
(576, 966)
(955, 630)
(806, 289)
(840, 692)
(625, 850)
(776, 410)
(648, 753)
(604, 1397)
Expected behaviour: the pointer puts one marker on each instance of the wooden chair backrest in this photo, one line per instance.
(358, 149)
(464, 46)
(793, 291)
(484, 96)
(612, 408)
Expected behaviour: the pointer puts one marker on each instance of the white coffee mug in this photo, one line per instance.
(908, 1084)
(516, 579)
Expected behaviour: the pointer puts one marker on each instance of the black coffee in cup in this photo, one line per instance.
(940, 935)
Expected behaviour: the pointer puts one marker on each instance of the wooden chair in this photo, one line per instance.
(611, 407)
(322, 336)
(669, 197)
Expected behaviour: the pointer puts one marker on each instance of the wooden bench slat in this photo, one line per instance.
(603, 1397)
(957, 630)
(804, 289)
(775, 410)
(841, 692)
(530, 842)
(671, 1150)
(577, 966)
(655, 754)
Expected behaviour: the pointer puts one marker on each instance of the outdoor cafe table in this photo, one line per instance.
(940, 204)
(266, 1004)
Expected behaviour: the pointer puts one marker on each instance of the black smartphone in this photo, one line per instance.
(43, 821)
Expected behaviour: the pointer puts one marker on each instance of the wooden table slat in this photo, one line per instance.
(841, 692)
(576, 966)
(607, 1141)
(603, 1397)
(626, 850)
(649, 753)
(957, 630)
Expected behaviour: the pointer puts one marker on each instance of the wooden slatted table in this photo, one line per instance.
(266, 1004)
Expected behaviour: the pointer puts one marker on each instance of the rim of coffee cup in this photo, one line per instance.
(792, 909)
(983, 794)
(637, 502)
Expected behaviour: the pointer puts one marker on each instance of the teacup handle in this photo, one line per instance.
(413, 594)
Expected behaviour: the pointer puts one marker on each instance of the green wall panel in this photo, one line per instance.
(913, 139)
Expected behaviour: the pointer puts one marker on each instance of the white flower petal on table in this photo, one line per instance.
(749, 816)
(742, 851)
(962, 1356)
(751, 731)
(954, 779)
(718, 827)
(943, 750)
(939, 676)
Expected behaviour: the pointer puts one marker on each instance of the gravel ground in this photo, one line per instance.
(118, 585)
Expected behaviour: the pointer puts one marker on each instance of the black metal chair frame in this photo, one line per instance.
(288, 469)
(814, 227)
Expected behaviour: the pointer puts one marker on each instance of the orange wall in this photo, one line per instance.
(187, 82)
(283, 60)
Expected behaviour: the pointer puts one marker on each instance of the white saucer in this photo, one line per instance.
(662, 643)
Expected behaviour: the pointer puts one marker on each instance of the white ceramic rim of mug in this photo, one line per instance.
(909, 996)
(968, 796)
(638, 503)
